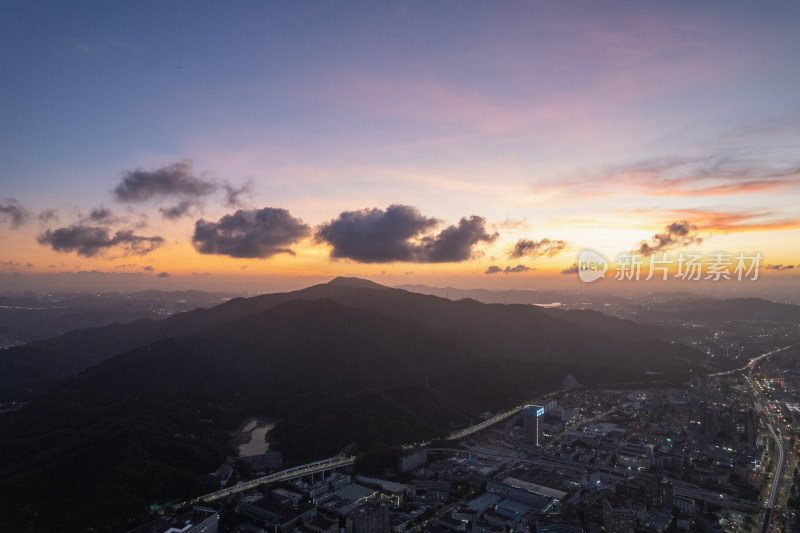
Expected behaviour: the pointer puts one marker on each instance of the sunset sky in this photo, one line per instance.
(267, 145)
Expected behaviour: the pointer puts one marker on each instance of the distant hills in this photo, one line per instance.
(131, 414)
(26, 317)
(726, 310)
(514, 331)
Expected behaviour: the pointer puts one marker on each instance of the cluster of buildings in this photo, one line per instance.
(198, 520)
(620, 461)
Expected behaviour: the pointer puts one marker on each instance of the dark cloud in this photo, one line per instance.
(148, 268)
(176, 211)
(571, 270)
(48, 215)
(675, 235)
(250, 233)
(399, 234)
(164, 275)
(101, 215)
(232, 193)
(780, 267)
(508, 223)
(14, 264)
(172, 180)
(534, 249)
(201, 274)
(90, 241)
(11, 210)
(711, 175)
(494, 269)
(455, 243)
(374, 235)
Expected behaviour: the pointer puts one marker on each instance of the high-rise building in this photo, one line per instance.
(751, 427)
(375, 518)
(413, 460)
(618, 518)
(532, 424)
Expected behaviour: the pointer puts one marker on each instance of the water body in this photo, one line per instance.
(257, 444)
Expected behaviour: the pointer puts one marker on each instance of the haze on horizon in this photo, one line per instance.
(274, 146)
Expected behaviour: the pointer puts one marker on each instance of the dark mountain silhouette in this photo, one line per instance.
(354, 283)
(724, 310)
(515, 331)
(38, 317)
(513, 296)
(614, 326)
(339, 364)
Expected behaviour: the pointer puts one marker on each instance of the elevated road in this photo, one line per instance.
(483, 425)
(776, 480)
(323, 465)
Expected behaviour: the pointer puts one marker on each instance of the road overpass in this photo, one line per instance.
(483, 425)
(325, 465)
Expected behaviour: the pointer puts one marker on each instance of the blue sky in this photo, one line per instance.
(597, 124)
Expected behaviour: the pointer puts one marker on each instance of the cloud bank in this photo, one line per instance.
(573, 269)
(254, 233)
(12, 211)
(400, 233)
(494, 269)
(534, 249)
(675, 235)
(90, 241)
(176, 179)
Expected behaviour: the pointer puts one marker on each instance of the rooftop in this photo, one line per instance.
(355, 492)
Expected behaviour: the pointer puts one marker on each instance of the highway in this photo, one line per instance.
(291, 473)
(778, 444)
(777, 478)
(770, 504)
(749, 364)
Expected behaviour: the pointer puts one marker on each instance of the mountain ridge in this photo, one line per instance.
(354, 367)
(490, 328)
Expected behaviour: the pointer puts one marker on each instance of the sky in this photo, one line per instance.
(270, 145)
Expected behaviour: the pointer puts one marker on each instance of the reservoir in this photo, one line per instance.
(257, 444)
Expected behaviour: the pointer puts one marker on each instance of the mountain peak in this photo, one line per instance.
(355, 283)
